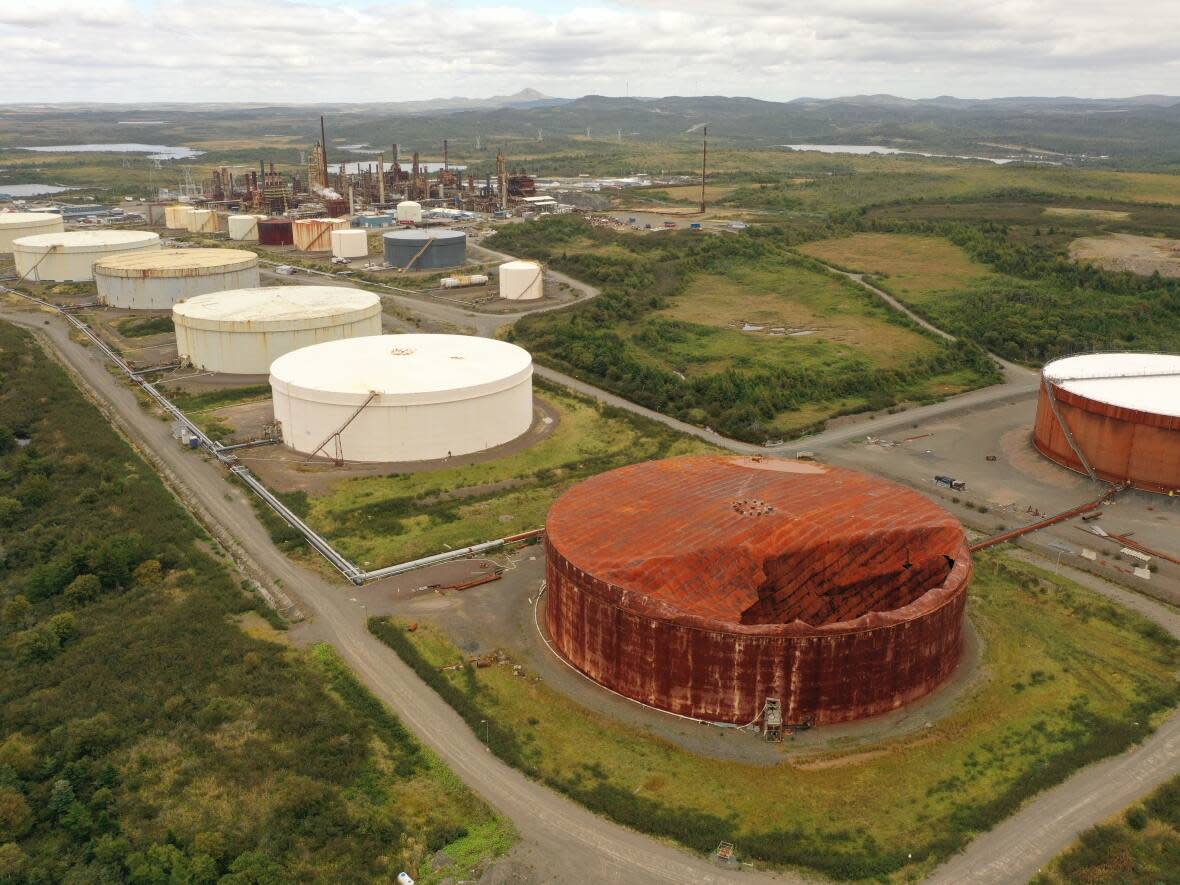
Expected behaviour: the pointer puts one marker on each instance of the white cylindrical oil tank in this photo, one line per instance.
(14, 225)
(176, 217)
(521, 281)
(202, 221)
(315, 234)
(350, 243)
(69, 256)
(408, 212)
(157, 280)
(243, 227)
(242, 331)
(420, 397)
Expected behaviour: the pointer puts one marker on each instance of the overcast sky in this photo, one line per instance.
(369, 50)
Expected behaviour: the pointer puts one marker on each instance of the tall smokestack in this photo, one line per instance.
(324, 149)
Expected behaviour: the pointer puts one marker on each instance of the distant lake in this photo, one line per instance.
(32, 190)
(154, 151)
(865, 149)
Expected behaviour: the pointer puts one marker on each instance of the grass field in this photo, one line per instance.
(916, 268)
(384, 520)
(155, 726)
(1141, 846)
(1067, 678)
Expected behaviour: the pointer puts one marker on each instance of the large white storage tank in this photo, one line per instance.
(243, 227)
(157, 280)
(69, 256)
(202, 221)
(14, 225)
(242, 331)
(521, 281)
(350, 243)
(408, 212)
(420, 397)
(176, 217)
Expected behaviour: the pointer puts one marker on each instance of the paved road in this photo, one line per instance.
(1025, 842)
(567, 842)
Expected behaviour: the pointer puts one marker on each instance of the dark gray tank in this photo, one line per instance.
(438, 248)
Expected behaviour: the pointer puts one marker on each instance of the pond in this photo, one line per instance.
(154, 151)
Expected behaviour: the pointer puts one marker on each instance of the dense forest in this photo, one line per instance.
(638, 274)
(154, 727)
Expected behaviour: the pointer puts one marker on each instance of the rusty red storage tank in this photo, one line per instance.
(1122, 411)
(276, 231)
(705, 585)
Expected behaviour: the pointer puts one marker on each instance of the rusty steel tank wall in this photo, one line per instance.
(705, 585)
(835, 673)
(1122, 445)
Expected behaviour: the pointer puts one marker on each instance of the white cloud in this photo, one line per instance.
(287, 50)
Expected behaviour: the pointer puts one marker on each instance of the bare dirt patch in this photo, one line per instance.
(1139, 255)
(1096, 214)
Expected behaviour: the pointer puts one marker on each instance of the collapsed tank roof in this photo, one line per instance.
(176, 262)
(437, 367)
(1145, 382)
(749, 545)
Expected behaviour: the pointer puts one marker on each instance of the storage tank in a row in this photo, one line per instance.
(420, 397)
(203, 221)
(350, 243)
(243, 227)
(521, 281)
(176, 217)
(424, 249)
(242, 331)
(69, 256)
(1117, 412)
(315, 234)
(275, 231)
(14, 225)
(157, 280)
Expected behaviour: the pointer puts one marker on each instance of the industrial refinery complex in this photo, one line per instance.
(344, 341)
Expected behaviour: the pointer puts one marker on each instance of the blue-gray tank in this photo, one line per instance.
(427, 248)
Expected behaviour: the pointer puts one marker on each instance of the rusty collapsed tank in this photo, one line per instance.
(708, 585)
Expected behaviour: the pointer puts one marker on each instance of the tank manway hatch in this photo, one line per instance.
(774, 720)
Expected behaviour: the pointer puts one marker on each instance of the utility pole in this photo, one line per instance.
(704, 164)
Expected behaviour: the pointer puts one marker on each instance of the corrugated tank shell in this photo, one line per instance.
(705, 585)
(1123, 411)
(315, 234)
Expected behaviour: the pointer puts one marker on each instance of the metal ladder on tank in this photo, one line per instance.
(338, 459)
(1069, 437)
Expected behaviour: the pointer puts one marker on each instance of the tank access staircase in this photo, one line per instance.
(338, 459)
(1069, 437)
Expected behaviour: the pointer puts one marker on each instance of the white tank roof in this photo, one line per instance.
(276, 307)
(1147, 382)
(23, 219)
(87, 240)
(411, 368)
(520, 265)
